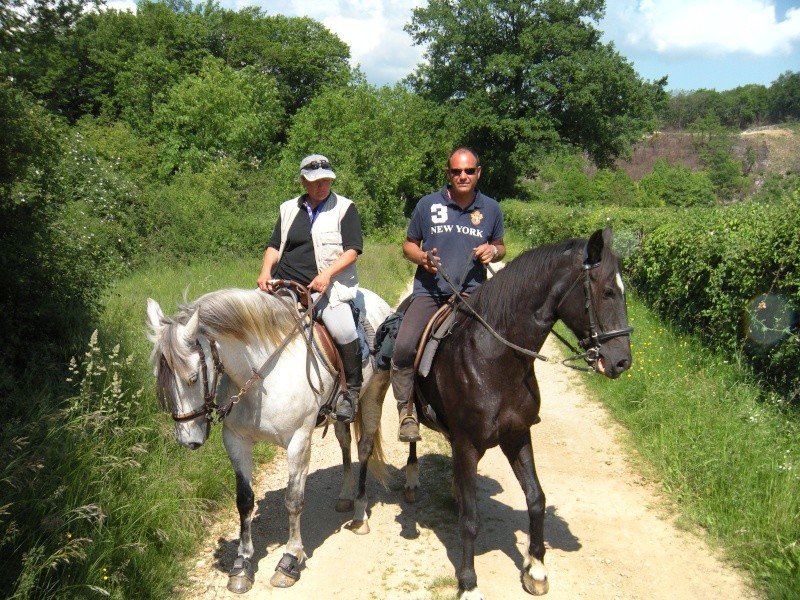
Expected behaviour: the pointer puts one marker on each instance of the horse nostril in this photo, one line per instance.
(623, 364)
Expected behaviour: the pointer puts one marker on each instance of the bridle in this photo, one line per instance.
(590, 344)
(210, 406)
(209, 391)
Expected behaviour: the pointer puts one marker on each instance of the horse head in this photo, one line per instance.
(594, 307)
(185, 380)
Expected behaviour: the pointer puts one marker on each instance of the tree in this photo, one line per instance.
(218, 113)
(299, 53)
(785, 92)
(388, 147)
(538, 67)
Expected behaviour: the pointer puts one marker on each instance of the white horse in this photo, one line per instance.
(255, 339)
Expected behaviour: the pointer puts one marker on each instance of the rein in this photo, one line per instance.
(590, 344)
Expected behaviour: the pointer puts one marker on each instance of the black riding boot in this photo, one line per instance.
(403, 388)
(347, 405)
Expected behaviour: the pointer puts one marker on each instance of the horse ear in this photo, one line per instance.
(192, 326)
(594, 249)
(154, 315)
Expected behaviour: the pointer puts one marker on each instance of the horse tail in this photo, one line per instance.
(370, 411)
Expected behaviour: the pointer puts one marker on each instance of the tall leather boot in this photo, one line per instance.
(347, 405)
(403, 389)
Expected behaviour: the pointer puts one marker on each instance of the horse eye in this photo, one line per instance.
(608, 293)
(193, 378)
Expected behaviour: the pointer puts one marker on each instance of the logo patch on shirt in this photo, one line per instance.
(476, 217)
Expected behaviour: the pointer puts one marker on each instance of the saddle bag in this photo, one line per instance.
(384, 340)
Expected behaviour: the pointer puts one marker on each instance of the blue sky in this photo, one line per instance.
(712, 44)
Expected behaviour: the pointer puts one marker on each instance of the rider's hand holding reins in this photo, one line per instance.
(430, 261)
(485, 253)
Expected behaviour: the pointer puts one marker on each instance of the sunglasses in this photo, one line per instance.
(316, 164)
(457, 172)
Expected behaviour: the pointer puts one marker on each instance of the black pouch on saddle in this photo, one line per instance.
(384, 340)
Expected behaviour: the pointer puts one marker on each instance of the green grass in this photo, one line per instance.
(725, 453)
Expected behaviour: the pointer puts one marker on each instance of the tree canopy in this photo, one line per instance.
(540, 70)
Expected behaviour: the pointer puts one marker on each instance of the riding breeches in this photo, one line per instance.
(338, 319)
(416, 317)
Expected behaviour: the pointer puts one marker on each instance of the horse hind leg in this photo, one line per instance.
(344, 503)
(534, 573)
(412, 475)
(370, 450)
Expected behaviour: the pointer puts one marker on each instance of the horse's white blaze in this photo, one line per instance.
(620, 285)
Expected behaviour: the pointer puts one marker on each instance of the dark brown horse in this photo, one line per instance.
(481, 391)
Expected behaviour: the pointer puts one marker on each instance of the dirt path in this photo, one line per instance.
(606, 531)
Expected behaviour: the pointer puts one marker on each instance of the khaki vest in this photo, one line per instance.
(327, 239)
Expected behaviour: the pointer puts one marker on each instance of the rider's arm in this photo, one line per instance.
(267, 264)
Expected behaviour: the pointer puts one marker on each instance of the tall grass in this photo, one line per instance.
(97, 498)
(725, 451)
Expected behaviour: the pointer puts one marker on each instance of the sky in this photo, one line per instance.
(709, 44)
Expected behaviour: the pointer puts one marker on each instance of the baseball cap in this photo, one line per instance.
(316, 166)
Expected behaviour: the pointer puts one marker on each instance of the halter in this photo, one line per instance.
(590, 344)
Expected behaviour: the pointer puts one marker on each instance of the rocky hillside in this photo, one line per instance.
(775, 149)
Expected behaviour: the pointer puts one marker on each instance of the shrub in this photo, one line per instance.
(677, 186)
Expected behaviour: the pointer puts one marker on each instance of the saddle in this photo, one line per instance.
(320, 339)
(439, 327)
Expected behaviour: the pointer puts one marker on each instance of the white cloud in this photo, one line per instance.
(711, 27)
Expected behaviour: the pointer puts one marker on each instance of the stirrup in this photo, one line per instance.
(346, 416)
(411, 422)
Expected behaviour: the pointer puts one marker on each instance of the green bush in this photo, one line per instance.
(677, 186)
(719, 272)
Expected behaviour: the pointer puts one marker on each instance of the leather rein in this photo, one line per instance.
(590, 344)
(210, 406)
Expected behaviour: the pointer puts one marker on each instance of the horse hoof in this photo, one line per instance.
(410, 494)
(279, 580)
(537, 587)
(241, 576)
(287, 572)
(239, 584)
(344, 505)
(359, 527)
(473, 594)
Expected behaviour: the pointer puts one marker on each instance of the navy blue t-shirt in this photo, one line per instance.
(440, 223)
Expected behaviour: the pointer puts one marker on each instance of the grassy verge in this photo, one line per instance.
(726, 454)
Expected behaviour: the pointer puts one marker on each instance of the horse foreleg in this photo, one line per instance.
(345, 501)
(298, 455)
(520, 455)
(412, 475)
(242, 574)
(465, 470)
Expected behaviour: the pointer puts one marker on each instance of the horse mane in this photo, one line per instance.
(244, 315)
(497, 299)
